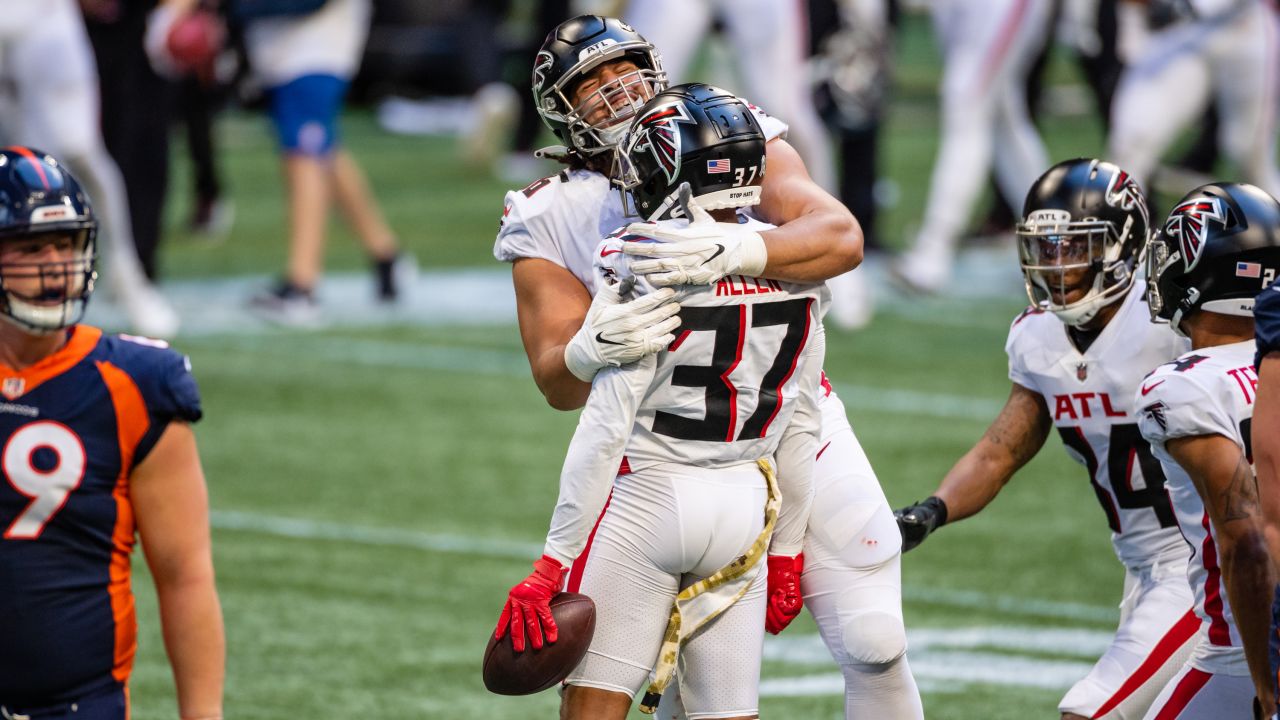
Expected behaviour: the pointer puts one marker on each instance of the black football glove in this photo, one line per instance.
(917, 521)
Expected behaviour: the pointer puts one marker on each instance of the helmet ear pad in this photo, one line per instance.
(692, 134)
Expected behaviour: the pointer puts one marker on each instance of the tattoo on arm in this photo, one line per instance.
(1240, 498)
(1020, 429)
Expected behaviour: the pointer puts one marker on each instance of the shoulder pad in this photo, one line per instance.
(163, 376)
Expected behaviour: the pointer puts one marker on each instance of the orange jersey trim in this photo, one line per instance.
(132, 422)
(83, 340)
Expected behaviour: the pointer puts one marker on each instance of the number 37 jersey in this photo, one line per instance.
(72, 428)
(1090, 400)
(724, 389)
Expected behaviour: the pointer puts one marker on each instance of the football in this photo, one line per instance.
(507, 672)
(195, 40)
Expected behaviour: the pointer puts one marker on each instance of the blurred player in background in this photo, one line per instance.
(97, 446)
(306, 62)
(549, 233)
(767, 37)
(770, 53)
(1227, 51)
(49, 87)
(1204, 269)
(853, 41)
(683, 523)
(1075, 358)
(1266, 456)
(987, 49)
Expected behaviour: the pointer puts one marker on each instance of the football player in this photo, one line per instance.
(97, 451)
(1266, 457)
(1224, 51)
(687, 428)
(1075, 358)
(988, 49)
(1204, 269)
(600, 68)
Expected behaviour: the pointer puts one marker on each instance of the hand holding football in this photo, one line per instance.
(507, 672)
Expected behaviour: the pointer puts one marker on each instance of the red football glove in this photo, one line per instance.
(528, 607)
(785, 600)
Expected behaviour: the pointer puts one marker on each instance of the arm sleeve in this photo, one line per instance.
(1177, 405)
(595, 452)
(528, 227)
(771, 126)
(1018, 372)
(795, 455)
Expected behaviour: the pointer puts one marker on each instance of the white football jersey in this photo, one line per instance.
(1090, 400)
(746, 360)
(1209, 391)
(562, 218)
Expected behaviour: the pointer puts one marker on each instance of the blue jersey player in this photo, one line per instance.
(96, 449)
(1266, 457)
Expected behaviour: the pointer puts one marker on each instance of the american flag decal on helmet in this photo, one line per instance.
(662, 138)
(1189, 223)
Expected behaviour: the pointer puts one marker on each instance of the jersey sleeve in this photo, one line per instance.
(771, 126)
(1266, 320)
(1018, 332)
(796, 454)
(1173, 404)
(163, 377)
(525, 218)
(595, 454)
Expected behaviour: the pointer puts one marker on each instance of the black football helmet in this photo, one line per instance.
(42, 206)
(1219, 248)
(571, 51)
(1084, 225)
(691, 134)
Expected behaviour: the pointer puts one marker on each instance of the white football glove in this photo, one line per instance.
(616, 333)
(700, 253)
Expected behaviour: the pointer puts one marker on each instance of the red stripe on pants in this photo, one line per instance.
(1190, 684)
(580, 564)
(1176, 637)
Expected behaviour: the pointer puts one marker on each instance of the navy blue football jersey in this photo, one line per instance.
(1266, 322)
(72, 427)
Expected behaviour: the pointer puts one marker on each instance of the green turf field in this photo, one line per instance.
(376, 492)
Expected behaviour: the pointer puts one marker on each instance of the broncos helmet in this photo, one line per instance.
(691, 134)
(1219, 248)
(572, 50)
(1083, 229)
(42, 205)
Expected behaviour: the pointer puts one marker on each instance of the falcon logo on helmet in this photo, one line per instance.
(541, 65)
(660, 136)
(1189, 223)
(1123, 192)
